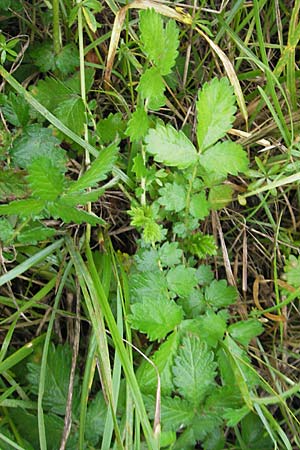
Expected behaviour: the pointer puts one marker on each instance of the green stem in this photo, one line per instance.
(56, 29)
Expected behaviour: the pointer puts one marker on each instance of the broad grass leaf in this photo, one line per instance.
(225, 158)
(194, 370)
(71, 112)
(163, 360)
(152, 88)
(160, 43)
(155, 318)
(215, 112)
(45, 180)
(98, 170)
(170, 147)
(35, 142)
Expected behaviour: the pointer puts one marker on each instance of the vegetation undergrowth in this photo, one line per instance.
(149, 234)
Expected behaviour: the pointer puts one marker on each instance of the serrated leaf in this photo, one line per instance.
(176, 413)
(43, 56)
(6, 231)
(155, 318)
(172, 196)
(138, 167)
(68, 59)
(56, 381)
(34, 233)
(152, 232)
(138, 125)
(35, 142)
(12, 185)
(201, 245)
(146, 260)
(194, 370)
(110, 128)
(215, 112)
(170, 254)
(219, 295)
(199, 206)
(163, 360)
(82, 198)
(69, 214)
(254, 433)
(204, 275)
(224, 158)
(245, 330)
(95, 419)
(98, 169)
(292, 271)
(16, 110)
(220, 196)
(160, 44)
(181, 280)
(43, 92)
(71, 112)
(211, 328)
(151, 88)
(147, 286)
(45, 180)
(24, 208)
(170, 147)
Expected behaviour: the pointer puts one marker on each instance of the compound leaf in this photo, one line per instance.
(194, 370)
(170, 147)
(224, 158)
(215, 112)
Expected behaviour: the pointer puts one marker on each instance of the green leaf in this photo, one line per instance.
(194, 370)
(155, 318)
(204, 275)
(147, 260)
(43, 56)
(254, 433)
(71, 112)
(219, 295)
(24, 208)
(12, 185)
(16, 110)
(172, 196)
(56, 381)
(224, 158)
(45, 180)
(199, 206)
(68, 59)
(34, 233)
(98, 169)
(35, 142)
(201, 245)
(292, 271)
(215, 112)
(170, 147)
(110, 128)
(43, 92)
(95, 419)
(138, 125)
(170, 254)
(147, 286)
(6, 231)
(61, 210)
(181, 280)
(151, 87)
(211, 328)
(160, 44)
(220, 196)
(163, 361)
(245, 330)
(176, 413)
(138, 167)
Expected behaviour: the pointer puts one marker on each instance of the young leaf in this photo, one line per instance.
(224, 158)
(172, 197)
(35, 142)
(72, 113)
(45, 180)
(152, 88)
(138, 125)
(201, 245)
(155, 318)
(199, 206)
(219, 295)
(194, 370)
(292, 271)
(170, 147)
(98, 170)
(215, 112)
(181, 280)
(160, 44)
